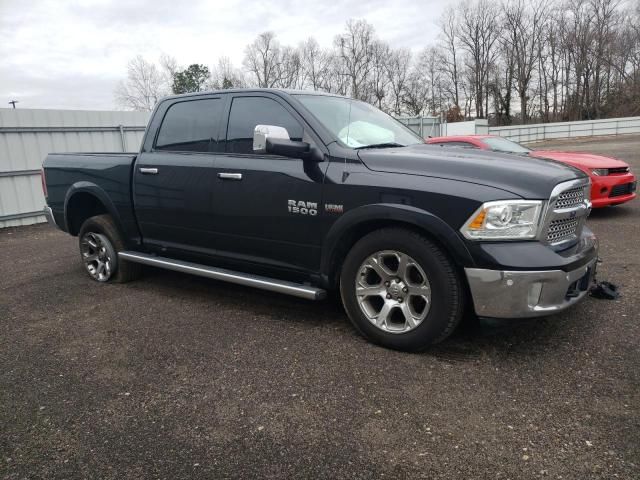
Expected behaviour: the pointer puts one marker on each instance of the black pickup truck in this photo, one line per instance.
(301, 192)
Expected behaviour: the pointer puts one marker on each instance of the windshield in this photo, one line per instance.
(358, 124)
(499, 144)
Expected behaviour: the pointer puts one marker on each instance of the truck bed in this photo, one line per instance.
(107, 175)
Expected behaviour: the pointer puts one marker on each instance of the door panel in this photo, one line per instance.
(174, 206)
(173, 183)
(253, 220)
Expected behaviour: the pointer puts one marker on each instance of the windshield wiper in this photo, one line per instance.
(381, 145)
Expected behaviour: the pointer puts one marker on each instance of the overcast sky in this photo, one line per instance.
(71, 54)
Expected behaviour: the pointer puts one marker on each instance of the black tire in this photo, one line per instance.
(447, 292)
(104, 226)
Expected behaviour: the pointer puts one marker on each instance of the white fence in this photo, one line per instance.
(423, 126)
(26, 136)
(472, 127)
(586, 128)
(432, 127)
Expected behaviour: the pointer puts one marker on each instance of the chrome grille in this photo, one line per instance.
(570, 198)
(561, 230)
(569, 206)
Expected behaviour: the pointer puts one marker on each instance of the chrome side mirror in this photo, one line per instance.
(262, 132)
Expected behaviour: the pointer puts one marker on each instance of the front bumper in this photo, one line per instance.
(612, 189)
(515, 294)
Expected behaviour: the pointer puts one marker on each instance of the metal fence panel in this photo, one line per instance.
(27, 136)
(423, 126)
(585, 128)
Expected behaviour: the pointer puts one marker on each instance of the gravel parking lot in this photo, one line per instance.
(175, 376)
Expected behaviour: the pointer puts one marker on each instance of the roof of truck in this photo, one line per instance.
(287, 91)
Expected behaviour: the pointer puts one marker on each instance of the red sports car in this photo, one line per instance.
(612, 182)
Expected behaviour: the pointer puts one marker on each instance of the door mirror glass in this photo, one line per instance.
(262, 132)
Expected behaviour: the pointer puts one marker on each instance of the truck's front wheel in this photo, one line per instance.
(401, 290)
(100, 241)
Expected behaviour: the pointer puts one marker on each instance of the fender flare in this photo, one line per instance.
(408, 214)
(95, 191)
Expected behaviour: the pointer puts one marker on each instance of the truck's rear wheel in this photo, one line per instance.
(400, 290)
(100, 241)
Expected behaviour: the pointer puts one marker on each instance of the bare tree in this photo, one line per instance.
(316, 65)
(225, 75)
(416, 93)
(449, 40)
(550, 64)
(337, 81)
(539, 61)
(289, 69)
(398, 65)
(478, 33)
(144, 86)
(262, 58)
(523, 25)
(354, 48)
(379, 78)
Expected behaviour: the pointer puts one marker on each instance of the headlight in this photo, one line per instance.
(504, 220)
(601, 172)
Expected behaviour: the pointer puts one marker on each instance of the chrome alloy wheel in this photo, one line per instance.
(393, 291)
(98, 255)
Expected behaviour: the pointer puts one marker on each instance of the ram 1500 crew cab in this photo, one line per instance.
(300, 192)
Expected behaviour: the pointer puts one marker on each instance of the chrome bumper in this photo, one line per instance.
(514, 294)
(51, 220)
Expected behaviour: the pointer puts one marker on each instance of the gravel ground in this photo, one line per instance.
(181, 377)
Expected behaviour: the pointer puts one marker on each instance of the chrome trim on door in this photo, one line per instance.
(148, 171)
(230, 176)
(265, 283)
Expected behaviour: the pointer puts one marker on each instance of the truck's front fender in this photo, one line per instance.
(383, 214)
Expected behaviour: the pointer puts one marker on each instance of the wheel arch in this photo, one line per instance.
(361, 221)
(84, 200)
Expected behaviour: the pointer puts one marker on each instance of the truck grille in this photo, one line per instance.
(570, 198)
(561, 230)
(569, 206)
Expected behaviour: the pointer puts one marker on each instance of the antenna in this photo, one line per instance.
(13, 102)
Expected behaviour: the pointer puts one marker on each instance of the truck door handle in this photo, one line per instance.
(148, 171)
(230, 176)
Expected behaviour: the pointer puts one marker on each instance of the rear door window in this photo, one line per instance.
(191, 126)
(247, 112)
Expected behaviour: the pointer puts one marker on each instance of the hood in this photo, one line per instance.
(530, 178)
(580, 159)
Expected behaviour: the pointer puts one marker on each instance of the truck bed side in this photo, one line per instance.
(82, 184)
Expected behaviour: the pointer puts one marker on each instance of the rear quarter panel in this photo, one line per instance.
(105, 176)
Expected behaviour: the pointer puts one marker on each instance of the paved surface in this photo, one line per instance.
(180, 377)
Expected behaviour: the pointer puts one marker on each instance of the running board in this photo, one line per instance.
(248, 280)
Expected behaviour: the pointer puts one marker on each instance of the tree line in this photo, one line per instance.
(514, 61)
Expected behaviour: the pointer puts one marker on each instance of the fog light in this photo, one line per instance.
(603, 190)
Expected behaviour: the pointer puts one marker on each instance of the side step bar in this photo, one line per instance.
(246, 279)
